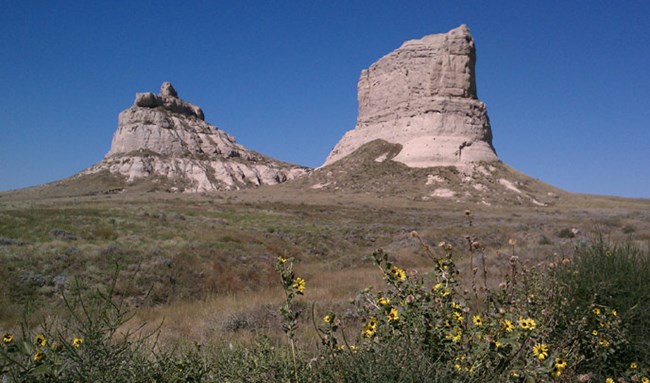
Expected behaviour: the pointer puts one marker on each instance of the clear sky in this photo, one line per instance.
(566, 83)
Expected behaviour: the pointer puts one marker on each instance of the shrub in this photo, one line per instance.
(421, 328)
(615, 276)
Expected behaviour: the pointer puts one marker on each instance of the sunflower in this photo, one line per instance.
(39, 355)
(299, 284)
(477, 320)
(370, 328)
(40, 341)
(398, 273)
(527, 324)
(556, 372)
(454, 335)
(383, 301)
(393, 315)
(77, 342)
(540, 350)
(508, 326)
(8, 338)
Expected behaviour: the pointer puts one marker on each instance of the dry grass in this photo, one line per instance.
(206, 260)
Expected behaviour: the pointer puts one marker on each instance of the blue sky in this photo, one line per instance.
(567, 83)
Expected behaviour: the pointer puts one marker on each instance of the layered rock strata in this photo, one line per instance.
(423, 96)
(162, 137)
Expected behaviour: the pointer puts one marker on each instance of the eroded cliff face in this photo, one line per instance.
(164, 137)
(423, 97)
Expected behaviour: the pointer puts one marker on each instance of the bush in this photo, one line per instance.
(614, 276)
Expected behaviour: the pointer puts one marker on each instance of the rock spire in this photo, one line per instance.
(423, 96)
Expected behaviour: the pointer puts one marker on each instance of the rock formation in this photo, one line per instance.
(166, 139)
(423, 96)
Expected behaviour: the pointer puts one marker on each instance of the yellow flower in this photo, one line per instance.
(299, 284)
(609, 380)
(457, 366)
(437, 286)
(594, 332)
(560, 363)
(40, 340)
(614, 313)
(456, 306)
(459, 317)
(398, 273)
(633, 365)
(514, 374)
(508, 326)
(603, 342)
(38, 355)
(477, 320)
(282, 259)
(383, 301)
(540, 350)
(370, 328)
(455, 335)
(596, 311)
(77, 342)
(445, 292)
(645, 380)
(393, 315)
(527, 324)
(556, 372)
(8, 338)
(327, 319)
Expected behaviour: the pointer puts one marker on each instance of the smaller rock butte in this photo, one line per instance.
(164, 137)
(423, 96)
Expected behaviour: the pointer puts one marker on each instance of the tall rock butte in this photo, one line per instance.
(423, 97)
(165, 139)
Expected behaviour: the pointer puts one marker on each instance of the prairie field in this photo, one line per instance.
(196, 279)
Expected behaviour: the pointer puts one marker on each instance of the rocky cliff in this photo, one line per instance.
(423, 97)
(166, 140)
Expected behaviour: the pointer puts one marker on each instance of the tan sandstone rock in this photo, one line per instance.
(423, 96)
(162, 137)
